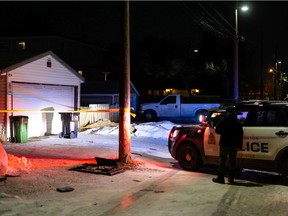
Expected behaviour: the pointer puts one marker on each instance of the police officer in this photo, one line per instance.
(231, 138)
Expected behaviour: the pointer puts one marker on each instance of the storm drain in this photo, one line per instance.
(103, 166)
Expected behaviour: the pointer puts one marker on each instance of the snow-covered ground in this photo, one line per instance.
(100, 139)
(155, 186)
(150, 138)
(150, 129)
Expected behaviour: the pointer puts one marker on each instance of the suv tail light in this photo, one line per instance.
(174, 132)
(202, 118)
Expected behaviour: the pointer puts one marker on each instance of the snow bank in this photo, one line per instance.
(150, 129)
(154, 129)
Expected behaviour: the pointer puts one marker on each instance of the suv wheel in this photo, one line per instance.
(188, 157)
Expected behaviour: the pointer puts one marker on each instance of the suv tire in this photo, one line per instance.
(188, 157)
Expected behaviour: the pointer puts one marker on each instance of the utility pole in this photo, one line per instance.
(124, 96)
(236, 60)
(261, 66)
(236, 72)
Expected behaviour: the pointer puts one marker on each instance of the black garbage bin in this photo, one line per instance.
(69, 124)
(18, 129)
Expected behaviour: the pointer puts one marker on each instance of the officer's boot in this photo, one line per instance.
(231, 177)
(220, 179)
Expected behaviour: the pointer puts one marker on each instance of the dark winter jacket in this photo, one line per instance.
(231, 131)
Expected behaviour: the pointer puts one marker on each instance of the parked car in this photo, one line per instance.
(265, 141)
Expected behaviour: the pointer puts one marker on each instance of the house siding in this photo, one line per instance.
(38, 72)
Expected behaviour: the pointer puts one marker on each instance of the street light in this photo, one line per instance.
(276, 79)
(236, 39)
(273, 71)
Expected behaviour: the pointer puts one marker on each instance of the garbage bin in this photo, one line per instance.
(19, 129)
(69, 124)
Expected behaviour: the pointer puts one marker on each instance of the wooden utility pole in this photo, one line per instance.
(124, 96)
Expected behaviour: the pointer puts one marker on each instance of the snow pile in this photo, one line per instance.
(12, 165)
(18, 165)
(154, 129)
(150, 129)
(105, 130)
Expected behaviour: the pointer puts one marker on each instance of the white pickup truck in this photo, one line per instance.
(175, 107)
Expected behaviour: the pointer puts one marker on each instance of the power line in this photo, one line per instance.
(211, 21)
(232, 27)
(215, 22)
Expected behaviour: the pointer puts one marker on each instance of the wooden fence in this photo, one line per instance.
(91, 117)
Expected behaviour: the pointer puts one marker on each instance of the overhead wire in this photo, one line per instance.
(232, 27)
(213, 23)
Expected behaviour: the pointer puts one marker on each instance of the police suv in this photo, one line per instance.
(265, 141)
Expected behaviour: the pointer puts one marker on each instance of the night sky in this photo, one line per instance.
(263, 26)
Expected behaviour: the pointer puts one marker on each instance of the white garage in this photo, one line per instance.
(43, 98)
(40, 88)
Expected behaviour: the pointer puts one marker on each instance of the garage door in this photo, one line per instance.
(42, 98)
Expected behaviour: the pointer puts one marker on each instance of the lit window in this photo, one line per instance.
(195, 91)
(21, 45)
